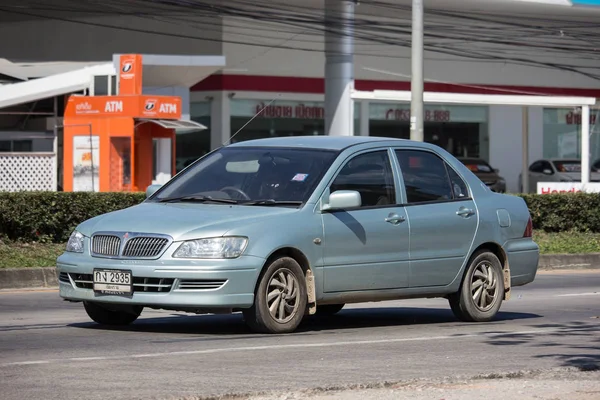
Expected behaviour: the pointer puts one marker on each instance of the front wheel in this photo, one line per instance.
(105, 316)
(482, 289)
(280, 299)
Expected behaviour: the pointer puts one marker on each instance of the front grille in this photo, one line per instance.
(156, 285)
(64, 277)
(140, 284)
(201, 284)
(129, 245)
(106, 245)
(144, 247)
(83, 281)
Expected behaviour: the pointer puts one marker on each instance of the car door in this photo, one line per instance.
(442, 215)
(366, 248)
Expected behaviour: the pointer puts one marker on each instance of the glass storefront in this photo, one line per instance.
(461, 130)
(193, 145)
(281, 118)
(562, 133)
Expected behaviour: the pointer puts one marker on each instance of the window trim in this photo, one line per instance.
(393, 170)
(446, 166)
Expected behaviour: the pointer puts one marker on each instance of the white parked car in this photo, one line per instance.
(557, 170)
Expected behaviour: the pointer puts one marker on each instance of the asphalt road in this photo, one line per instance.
(49, 349)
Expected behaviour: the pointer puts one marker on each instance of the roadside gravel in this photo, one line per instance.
(558, 384)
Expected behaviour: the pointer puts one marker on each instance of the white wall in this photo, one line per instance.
(505, 124)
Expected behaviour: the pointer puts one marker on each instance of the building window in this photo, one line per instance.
(193, 145)
(281, 118)
(18, 146)
(461, 130)
(562, 133)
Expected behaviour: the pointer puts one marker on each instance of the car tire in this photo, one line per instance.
(484, 278)
(105, 316)
(329, 309)
(280, 299)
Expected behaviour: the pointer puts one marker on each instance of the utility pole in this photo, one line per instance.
(416, 86)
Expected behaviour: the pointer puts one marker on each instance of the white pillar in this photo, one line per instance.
(220, 120)
(585, 144)
(525, 140)
(339, 67)
(417, 84)
(164, 161)
(364, 118)
(55, 177)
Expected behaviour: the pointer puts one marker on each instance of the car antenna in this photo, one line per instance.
(252, 119)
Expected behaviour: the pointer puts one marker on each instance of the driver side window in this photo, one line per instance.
(371, 175)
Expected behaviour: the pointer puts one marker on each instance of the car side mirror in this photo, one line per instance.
(547, 171)
(150, 190)
(496, 170)
(343, 199)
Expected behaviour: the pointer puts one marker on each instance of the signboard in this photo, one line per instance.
(567, 187)
(130, 74)
(431, 113)
(156, 107)
(284, 109)
(280, 109)
(86, 163)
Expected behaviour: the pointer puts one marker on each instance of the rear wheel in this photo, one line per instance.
(105, 316)
(280, 300)
(329, 309)
(482, 289)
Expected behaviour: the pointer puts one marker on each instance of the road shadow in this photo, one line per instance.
(583, 355)
(230, 326)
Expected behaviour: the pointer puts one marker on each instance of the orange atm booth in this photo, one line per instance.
(123, 142)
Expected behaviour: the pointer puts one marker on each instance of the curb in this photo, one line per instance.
(569, 261)
(21, 278)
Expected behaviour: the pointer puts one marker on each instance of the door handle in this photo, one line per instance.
(395, 219)
(465, 212)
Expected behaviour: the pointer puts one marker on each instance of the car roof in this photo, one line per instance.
(323, 142)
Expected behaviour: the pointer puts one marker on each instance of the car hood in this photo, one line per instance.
(182, 221)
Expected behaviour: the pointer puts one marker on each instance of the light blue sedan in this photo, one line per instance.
(286, 227)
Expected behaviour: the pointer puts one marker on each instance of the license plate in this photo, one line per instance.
(112, 281)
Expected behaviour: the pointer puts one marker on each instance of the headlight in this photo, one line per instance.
(75, 243)
(223, 247)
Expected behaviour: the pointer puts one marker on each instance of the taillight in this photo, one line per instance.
(529, 229)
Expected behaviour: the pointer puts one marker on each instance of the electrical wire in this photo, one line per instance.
(467, 36)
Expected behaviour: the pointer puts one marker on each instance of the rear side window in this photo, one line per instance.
(459, 187)
(427, 178)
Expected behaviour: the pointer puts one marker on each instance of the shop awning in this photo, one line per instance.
(180, 126)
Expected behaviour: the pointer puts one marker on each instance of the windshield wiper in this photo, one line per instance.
(271, 202)
(197, 198)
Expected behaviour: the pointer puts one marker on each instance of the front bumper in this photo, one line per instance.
(170, 284)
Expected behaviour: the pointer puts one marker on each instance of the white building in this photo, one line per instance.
(275, 55)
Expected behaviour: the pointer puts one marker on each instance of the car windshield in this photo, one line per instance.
(250, 176)
(478, 166)
(568, 166)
